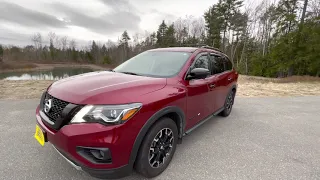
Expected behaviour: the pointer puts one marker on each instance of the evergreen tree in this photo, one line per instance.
(1, 53)
(94, 52)
(214, 23)
(125, 38)
(161, 34)
(170, 39)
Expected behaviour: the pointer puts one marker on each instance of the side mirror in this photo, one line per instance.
(198, 73)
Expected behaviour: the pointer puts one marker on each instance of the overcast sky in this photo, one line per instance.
(86, 20)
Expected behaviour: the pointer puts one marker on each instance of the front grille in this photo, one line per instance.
(56, 108)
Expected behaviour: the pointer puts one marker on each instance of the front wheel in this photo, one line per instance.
(157, 148)
(228, 104)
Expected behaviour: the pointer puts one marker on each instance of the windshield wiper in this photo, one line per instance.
(131, 73)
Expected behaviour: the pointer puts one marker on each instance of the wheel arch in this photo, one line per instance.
(172, 112)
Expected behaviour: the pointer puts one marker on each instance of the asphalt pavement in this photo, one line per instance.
(263, 138)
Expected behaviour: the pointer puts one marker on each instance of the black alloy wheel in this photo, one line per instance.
(161, 147)
(157, 148)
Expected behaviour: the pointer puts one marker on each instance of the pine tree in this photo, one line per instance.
(161, 33)
(94, 52)
(170, 39)
(1, 53)
(125, 38)
(214, 23)
(286, 13)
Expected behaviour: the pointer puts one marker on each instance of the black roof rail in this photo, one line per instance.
(198, 46)
(213, 48)
(188, 45)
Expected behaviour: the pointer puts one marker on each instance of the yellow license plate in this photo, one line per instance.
(39, 135)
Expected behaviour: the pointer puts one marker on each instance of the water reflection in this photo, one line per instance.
(54, 74)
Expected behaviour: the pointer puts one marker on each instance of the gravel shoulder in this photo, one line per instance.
(249, 86)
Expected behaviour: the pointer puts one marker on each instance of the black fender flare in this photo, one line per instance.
(149, 123)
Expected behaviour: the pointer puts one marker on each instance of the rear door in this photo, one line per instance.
(218, 83)
(228, 69)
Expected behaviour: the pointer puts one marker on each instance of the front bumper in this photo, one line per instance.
(77, 167)
(99, 173)
(70, 137)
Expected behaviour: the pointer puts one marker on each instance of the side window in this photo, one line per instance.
(202, 62)
(228, 64)
(217, 63)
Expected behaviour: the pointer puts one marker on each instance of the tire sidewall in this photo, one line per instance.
(142, 164)
(227, 112)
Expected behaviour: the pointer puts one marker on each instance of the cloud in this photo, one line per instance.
(120, 18)
(17, 14)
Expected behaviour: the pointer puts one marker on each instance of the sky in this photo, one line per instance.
(87, 20)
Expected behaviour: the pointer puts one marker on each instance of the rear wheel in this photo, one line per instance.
(157, 148)
(228, 104)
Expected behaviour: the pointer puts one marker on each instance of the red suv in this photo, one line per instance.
(109, 122)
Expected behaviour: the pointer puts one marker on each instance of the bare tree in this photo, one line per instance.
(72, 44)
(136, 39)
(37, 40)
(197, 27)
(179, 27)
(315, 8)
(52, 37)
(64, 42)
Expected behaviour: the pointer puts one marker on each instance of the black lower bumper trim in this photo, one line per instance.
(115, 173)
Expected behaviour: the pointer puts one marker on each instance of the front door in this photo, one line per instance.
(198, 102)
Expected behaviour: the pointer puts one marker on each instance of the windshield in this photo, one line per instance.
(154, 63)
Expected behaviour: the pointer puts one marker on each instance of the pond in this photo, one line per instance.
(52, 74)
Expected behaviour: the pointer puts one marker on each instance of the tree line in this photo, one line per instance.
(272, 39)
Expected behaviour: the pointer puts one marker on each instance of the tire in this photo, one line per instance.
(228, 104)
(164, 127)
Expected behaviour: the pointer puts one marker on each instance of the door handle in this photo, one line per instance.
(212, 86)
(229, 79)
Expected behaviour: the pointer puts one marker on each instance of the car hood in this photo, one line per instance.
(104, 87)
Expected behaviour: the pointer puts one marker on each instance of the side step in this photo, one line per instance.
(203, 121)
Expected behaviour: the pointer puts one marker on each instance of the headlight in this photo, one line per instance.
(106, 114)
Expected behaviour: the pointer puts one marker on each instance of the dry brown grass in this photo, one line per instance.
(4, 66)
(249, 86)
(22, 89)
(291, 79)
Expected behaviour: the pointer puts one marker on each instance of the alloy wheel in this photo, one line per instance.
(229, 102)
(161, 147)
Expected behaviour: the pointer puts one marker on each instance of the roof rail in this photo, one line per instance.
(188, 45)
(213, 48)
(198, 45)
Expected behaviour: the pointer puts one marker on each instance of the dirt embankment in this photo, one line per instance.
(249, 86)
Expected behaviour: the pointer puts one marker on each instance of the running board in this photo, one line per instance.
(203, 121)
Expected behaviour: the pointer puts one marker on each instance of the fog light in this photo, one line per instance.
(97, 154)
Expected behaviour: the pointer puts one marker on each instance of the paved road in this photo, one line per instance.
(264, 138)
